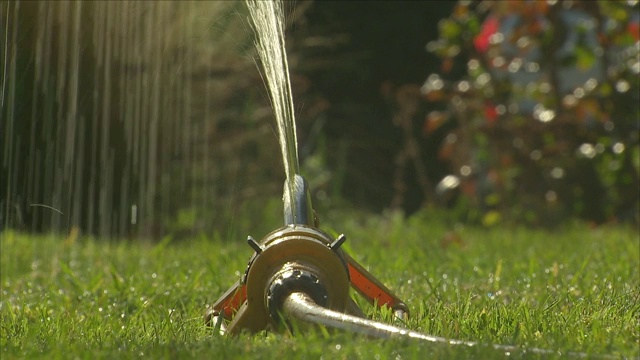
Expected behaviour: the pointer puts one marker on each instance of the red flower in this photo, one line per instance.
(490, 113)
(489, 27)
(634, 30)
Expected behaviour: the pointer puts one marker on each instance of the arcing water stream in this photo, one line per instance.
(268, 20)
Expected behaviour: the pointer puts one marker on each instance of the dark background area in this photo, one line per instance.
(383, 47)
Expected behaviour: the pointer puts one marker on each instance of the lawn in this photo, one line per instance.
(570, 289)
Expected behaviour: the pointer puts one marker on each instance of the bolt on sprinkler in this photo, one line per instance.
(299, 259)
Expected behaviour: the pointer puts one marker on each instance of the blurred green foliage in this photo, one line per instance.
(545, 115)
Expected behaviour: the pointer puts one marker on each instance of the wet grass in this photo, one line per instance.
(575, 289)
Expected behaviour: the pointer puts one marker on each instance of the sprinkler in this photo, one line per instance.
(297, 258)
(298, 272)
(295, 262)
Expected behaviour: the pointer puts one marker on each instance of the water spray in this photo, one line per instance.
(298, 272)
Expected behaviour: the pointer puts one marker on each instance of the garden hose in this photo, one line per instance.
(303, 307)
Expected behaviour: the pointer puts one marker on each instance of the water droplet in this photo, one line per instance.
(618, 148)
(134, 214)
(557, 173)
(498, 62)
(608, 125)
(515, 65)
(535, 155)
(543, 114)
(587, 150)
(518, 143)
(544, 87)
(622, 86)
(634, 65)
(463, 86)
(433, 83)
(569, 101)
(483, 79)
(496, 38)
(532, 67)
(523, 42)
(448, 183)
(590, 84)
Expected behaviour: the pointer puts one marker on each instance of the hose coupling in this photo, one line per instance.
(293, 277)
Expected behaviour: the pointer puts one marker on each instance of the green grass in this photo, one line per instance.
(575, 289)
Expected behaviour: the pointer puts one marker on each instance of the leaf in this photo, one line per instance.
(585, 58)
(491, 218)
(449, 29)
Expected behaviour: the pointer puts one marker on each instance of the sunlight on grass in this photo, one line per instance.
(575, 289)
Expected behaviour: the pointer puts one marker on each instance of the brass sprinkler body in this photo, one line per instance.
(298, 258)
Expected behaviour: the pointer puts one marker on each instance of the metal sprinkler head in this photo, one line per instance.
(296, 258)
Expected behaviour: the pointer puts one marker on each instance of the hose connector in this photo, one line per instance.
(294, 277)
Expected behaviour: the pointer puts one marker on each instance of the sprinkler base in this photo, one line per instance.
(296, 258)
